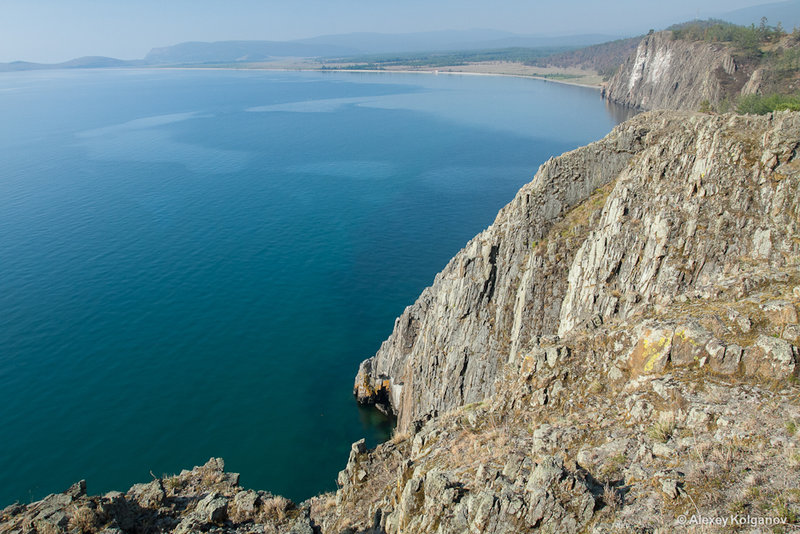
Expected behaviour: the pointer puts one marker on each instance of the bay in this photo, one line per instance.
(194, 262)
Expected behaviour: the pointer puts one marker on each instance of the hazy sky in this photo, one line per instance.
(57, 30)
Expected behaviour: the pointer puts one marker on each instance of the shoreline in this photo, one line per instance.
(435, 72)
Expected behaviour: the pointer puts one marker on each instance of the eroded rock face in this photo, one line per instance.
(617, 348)
(667, 73)
(669, 204)
(504, 287)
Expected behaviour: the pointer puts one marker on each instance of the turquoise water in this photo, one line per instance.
(193, 263)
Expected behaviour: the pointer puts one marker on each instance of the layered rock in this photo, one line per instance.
(667, 73)
(617, 351)
(667, 204)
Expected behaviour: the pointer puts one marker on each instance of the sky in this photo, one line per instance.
(57, 30)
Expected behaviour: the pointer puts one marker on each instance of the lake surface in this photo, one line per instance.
(193, 263)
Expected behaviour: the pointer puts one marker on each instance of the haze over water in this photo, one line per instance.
(193, 263)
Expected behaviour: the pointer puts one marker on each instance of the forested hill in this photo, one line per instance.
(605, 58)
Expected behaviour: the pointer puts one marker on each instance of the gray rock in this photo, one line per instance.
(791, 333)
(597, 456)
(77, 490)
(716, 354)
(114, 506)
(189, 525)
(150, 495)
(697, 419)
(770, 357)
(666, 73)
(541, 438)
(546, 473)
(670, 488)
(689, 344)
(494, 272)
(731, 360)
(780, 312)
(246, 503)
(301, 526)
(653, 182)
(213, 508)
(663, 450)
(12, 510)
(640, 410)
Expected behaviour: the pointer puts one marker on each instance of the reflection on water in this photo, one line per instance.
(619, 112)
(377, 425)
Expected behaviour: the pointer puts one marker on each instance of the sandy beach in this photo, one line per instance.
(577, 77)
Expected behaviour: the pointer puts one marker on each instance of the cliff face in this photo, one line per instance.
(618, 351)
(667, 73)
(615, 337)
(504, 288)
(668, 204)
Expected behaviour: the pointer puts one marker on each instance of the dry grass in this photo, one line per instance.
(793, 459)
(274, 509)
(662, 430)
(210, 478)
(83, 520)
(596, 387)
(400, 437)
(47, 528)
(172, 483)
(612, 498)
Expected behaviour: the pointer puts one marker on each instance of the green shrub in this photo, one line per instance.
(762, 104)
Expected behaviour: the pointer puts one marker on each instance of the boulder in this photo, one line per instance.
(780, 312)
(151, 495)
(651, 353)
(689, 344)
(213, 508)
(770, 357)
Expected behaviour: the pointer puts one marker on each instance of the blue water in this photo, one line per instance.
(193, 263)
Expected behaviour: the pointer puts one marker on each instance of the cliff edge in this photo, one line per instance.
(669, 73)
(617, 352)
(668, 204)
(683, 71)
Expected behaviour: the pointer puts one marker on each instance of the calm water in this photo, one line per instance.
(193, 263)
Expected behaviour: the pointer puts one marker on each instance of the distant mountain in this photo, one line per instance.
(88, 62)
(449, 40)
(240, 51)
(326, 46)
(787, 13)
(353, 44)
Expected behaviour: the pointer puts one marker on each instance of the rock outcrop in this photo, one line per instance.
(617, 353)
(203, 499)
(667, 73)
(669, 205)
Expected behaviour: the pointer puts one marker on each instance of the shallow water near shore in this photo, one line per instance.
(193, 263)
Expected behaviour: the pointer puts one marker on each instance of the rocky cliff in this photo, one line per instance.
(626, 330)
(667, 204)
(668, 73)
(618, 352)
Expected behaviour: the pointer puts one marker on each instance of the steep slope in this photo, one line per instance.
(707, 65)
(667, 73)
(664, 205)
(503, 288)
(618, 352)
